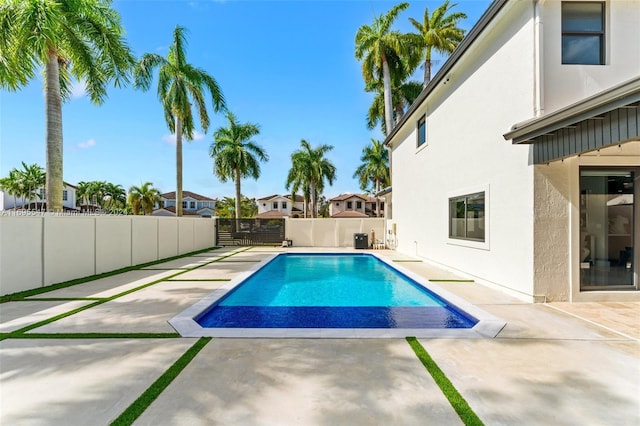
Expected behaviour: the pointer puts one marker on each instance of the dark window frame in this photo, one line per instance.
(585, 33)
(465, 198)
(421, 130)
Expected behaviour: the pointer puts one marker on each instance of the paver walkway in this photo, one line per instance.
(561, 364)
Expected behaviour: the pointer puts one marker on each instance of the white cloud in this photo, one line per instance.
(78, 89)
(171, 139)
(88, 144)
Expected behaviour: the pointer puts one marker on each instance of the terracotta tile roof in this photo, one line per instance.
(185, 194)
(349, 213)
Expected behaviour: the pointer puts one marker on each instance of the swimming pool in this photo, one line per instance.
(329, 295)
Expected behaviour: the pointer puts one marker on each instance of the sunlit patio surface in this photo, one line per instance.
(556, 363)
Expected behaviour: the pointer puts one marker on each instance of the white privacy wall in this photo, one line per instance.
(486, 92)
(41, 250)
(327, 232)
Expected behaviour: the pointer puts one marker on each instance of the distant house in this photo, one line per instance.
(278, 206)
(8, 202)
(192, 205)
(354, 205)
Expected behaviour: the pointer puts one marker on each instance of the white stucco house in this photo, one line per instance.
(192, 205)
(519, 163)
(354, 205)
(8, 202)
(278, 206)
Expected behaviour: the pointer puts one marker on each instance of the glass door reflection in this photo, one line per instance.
(608, 228)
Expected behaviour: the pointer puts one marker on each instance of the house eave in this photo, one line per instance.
(487, 17)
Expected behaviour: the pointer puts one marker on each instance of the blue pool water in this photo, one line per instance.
(331, 291)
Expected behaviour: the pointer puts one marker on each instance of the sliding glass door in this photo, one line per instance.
(609, 228)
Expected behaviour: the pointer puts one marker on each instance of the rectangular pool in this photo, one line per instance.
(331, 291)
(327, 295)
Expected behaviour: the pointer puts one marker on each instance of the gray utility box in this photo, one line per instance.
(361, 241)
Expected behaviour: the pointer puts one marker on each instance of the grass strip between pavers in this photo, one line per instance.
(138, 406)
(97, 336)
(19, 333)
(459, 404)
(34, 291)
(59, 299)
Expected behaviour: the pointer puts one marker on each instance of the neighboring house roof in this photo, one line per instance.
(465, 45)
(349, 213)
(185, 194)
(172, 210)
(271, 214)
(299, 198)
(343, 197)
(69, 185)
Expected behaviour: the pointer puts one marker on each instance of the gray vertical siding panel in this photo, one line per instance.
(614, 127)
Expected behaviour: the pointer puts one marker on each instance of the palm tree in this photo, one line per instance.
(80, 39)
(403, 96)
(235, 155)
(143, 198)
(226, 207)
(378, 47)
(33, 178)
(115, 196)
(374, 169)
(439, 32)
(12, 185)
(180, 85)
(309, 170)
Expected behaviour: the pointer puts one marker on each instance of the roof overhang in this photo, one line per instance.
(487, 17)
(607, 118)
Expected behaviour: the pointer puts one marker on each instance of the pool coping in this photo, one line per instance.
(488, 326)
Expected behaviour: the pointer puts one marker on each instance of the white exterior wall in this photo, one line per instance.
(267, 205)
(567, 84)
(37, 251)
(489, 89)
(8, 202)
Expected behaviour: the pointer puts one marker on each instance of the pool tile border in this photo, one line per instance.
(488, 325)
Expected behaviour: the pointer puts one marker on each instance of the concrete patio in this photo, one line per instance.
(558, 363)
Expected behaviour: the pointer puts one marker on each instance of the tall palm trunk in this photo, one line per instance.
(238, 195)
(312, 189)
(427, 67)
(54, 134)
(388, 104)
(178, 166)
(377, 198)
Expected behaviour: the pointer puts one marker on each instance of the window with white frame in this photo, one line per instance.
(192, 205)
(275, 205)
(349, 205)
(422, 131)
(583, 32)
(284, 204)
(65, 195)
(358, 205)
(467, 217)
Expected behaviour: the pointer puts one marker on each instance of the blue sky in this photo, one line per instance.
(288, 66)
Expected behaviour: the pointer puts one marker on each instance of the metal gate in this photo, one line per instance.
(249, 232)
